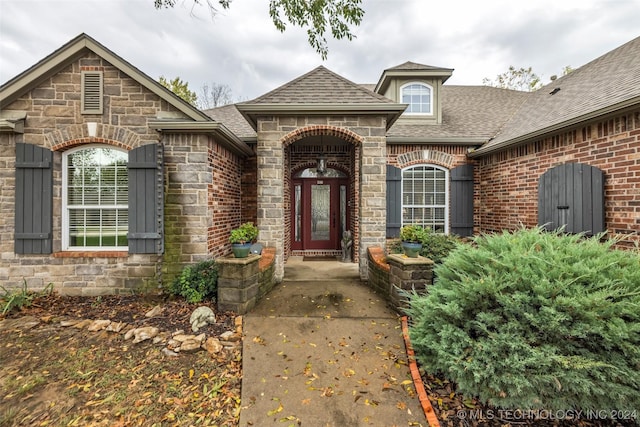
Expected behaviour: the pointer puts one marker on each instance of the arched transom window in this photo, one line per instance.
(95, 198)
(425, 197)
(419, 96)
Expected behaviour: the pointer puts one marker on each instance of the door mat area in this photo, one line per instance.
(320, 258)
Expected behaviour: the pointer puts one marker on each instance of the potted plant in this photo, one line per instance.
(412, 236)
(241, 239)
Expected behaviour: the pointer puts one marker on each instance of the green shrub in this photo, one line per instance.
(197, 282)
(10, 300)
(535, 320)
(435, 246)
(246, 233)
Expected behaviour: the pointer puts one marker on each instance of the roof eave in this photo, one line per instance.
(251, 111)
(522, 139)
(222, 134)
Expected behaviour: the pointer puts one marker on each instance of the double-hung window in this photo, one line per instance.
(419, 96)
(425, 197)
(95, 198)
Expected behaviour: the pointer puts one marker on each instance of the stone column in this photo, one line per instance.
(238, 283)
(270, 155)
(408, 275)
(373, 192)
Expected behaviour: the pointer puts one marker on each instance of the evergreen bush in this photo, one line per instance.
(197, 282)
(535, 320)
(435, 246)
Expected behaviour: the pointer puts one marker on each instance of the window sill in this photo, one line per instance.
(92, 254)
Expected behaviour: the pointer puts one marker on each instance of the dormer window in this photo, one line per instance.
(419, 96)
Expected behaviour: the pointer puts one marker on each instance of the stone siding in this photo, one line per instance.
(202, 190)
(366, 135)
(508, 193)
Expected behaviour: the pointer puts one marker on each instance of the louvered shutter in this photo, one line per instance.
(571, 197)
(33, 200)
(462, 200)
(394, 201)
(146, 200)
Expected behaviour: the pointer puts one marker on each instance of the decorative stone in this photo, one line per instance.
(98, 325)
(116, 326)
(213, 345)
(82, 324)
(144, 333)
(155, 311)
(201, 316)
(229, 336)
(169, 353)
(183, 337)
(190, 346)
(68, 323)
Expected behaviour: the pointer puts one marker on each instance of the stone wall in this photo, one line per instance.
(396, 276)
(202, 190)
(508, 193)
(367, 136)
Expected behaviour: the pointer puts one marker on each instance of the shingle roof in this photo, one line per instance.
(415, 66)
(320, 86)
(605, 84)
(473, 112)
(233, 120)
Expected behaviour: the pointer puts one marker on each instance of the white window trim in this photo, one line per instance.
(430, 113)
(447, 179)
(65, 211)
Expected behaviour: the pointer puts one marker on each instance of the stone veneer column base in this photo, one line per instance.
(238, 283)
(394, 275)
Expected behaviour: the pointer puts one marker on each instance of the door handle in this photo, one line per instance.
(334, 220)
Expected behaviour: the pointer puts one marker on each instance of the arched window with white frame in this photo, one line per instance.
(419, 96)
(425, 197)
(95, 198)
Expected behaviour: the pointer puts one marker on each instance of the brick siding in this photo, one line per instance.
(508, 193)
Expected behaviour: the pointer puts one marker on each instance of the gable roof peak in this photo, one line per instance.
(320, 86)
(409, 65)
(411, 70)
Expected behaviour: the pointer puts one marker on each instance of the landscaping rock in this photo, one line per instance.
(144, 333)
(155, 311)
(213, 345)
(98, 325)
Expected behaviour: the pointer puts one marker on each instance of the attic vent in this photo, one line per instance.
(91, 92)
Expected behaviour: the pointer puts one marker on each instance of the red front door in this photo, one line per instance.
(319, 216)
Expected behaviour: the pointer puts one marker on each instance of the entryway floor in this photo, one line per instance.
(322, 349)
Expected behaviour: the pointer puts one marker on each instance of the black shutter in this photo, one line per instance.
(571, 196)
(394, 201)
(462, 200)
(34, 200)
(146, 200)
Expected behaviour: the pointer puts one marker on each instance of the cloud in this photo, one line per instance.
(240, 47)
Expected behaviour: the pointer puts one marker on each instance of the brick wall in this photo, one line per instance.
(508, 193)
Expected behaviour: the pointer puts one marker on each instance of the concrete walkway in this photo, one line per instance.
(323, 350)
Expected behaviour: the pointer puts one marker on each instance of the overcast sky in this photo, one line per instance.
(240, 47)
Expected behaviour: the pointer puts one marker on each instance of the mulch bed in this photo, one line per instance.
(126, 308)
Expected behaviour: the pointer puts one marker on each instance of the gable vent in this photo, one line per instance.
(91, 92)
